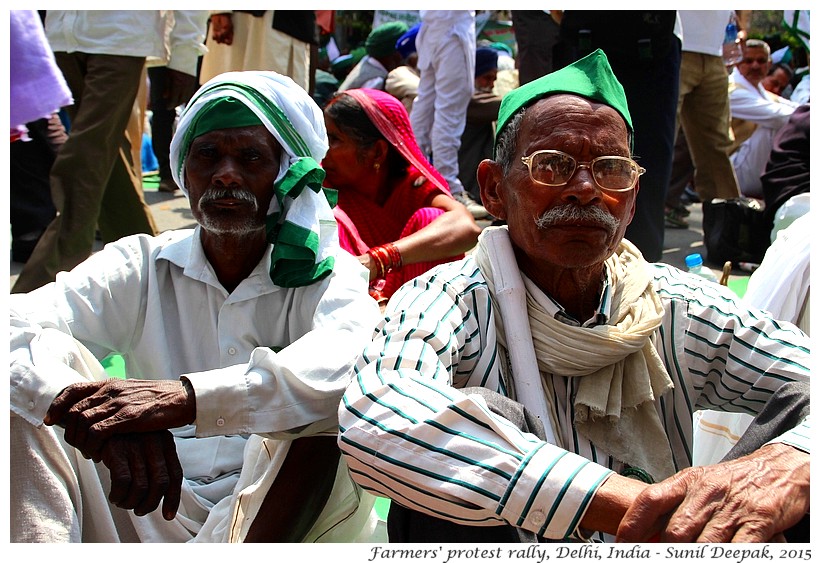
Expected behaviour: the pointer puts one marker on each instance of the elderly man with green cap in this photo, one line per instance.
(382, 57)
(237, 337)
(543, 387)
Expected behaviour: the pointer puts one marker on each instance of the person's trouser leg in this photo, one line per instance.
(162, 120)
(784, 410)
(104, 88)
(454, 71)
(652, 93)
(536, 33)
(421, 114)
(704, 118)
(682, 172)
(30, 206)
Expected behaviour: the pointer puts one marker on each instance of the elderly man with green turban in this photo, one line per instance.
(382, 57)
(543, 387)
(237, 337)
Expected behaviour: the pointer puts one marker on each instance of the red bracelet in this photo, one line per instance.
(395, 256)
(387, 258)
(379, 264)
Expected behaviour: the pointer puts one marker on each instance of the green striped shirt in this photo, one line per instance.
(409, 434)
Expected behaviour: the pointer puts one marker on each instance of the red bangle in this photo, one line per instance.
(387, 258)
(395, 256)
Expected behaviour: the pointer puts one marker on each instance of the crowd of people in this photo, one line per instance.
(403, 282)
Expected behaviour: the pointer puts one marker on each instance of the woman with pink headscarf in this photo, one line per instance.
(394, 210)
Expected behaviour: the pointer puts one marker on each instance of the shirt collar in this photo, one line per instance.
(188, 254)
(557, 311)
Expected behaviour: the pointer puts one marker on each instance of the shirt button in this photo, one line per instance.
(31, 405)
(537, 517)
(220, 421)
(231, 350)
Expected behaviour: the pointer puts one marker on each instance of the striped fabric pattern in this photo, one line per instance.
(409, 434)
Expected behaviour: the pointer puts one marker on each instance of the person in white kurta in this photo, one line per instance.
(763, 112)
(266, 359)
(446, 47)
(782, 286)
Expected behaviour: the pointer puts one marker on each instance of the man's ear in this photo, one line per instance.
(490, 176)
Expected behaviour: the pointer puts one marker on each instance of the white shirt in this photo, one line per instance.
(440, 27)
(769, 112)
(157, 302)
(135, 33)
(704, 30)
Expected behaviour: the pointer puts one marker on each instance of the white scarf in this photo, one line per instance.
(621, 372)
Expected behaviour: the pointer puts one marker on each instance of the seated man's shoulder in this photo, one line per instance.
(674, 284)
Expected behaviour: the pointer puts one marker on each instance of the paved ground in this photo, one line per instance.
(171, 211)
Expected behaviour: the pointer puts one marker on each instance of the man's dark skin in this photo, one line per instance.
(124, 423)
(716, 504)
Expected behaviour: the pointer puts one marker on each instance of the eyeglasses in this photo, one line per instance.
(556, 168)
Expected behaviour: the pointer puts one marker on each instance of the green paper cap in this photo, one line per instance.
(590, 77)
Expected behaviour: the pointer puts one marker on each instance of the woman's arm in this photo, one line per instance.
(451, 234)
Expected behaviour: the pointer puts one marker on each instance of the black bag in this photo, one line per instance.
(734, 230)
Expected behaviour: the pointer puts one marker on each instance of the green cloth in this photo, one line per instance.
(382, 40)
(223, 113)
(590, 77)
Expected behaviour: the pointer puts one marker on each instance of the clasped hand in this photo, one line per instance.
(124, 424)
(144, 468)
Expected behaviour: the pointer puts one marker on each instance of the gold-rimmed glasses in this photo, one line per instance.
(555, 168)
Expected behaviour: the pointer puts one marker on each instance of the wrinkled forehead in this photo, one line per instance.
(566, 111)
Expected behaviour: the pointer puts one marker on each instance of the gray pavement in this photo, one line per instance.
(171, 211)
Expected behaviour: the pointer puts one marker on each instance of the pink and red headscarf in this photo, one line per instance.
(390, 117)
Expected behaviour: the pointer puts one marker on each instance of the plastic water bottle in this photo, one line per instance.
(732, 53)
(694, 264)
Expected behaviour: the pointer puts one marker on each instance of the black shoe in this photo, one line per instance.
(690, 196)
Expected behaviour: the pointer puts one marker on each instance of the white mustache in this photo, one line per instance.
(575, 214)
(228, 193)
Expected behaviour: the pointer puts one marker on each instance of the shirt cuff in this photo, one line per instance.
(31, 396)
(221, 401)
(551, 492)
(797, 437)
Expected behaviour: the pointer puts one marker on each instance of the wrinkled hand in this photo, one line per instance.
(222, 28)
(93, 412)
(179, 88)
(751, 499)
(144, 468)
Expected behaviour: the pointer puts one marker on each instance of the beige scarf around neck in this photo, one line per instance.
(620, 370)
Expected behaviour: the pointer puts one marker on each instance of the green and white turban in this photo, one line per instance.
(300, 223)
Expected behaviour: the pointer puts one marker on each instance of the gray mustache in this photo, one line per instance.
(576, 214)
(232, 193)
